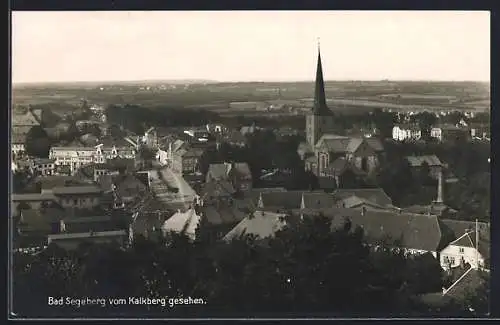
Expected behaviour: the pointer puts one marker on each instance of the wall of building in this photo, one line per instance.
(453, 254)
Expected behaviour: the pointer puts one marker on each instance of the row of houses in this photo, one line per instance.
(444, 132)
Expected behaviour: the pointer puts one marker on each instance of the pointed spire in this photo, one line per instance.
(319, 107)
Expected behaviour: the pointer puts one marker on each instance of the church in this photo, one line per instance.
(329, 155)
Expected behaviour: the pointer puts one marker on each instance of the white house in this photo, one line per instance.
(406, 132)
(78, 156)
(43, 166)
(464, 250)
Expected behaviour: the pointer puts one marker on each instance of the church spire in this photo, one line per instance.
(319, 107)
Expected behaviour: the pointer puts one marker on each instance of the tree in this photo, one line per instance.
(37, 142)
(425, 122)
(384, 122)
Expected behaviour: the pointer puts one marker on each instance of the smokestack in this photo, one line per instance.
(477, 245)
(440, 186)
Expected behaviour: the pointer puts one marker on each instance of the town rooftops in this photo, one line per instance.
(223, 171)
(183, 221)
(262, 224)
(375, 195)
(408, 230)
(417, 161)
(222, 215)
(317, 200)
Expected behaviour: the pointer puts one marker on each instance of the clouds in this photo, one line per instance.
(257, 45)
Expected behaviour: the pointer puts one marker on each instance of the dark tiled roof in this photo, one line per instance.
(376, 195)
(37, 220)
(224, 215)
(410, 230)
(285, 200)
(317, 200)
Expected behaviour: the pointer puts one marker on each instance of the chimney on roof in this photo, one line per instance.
(363, 211)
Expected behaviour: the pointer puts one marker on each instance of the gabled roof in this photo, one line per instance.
(417, 161)
(254, 193)
(375, 195)
(180, 221)
(262, 224)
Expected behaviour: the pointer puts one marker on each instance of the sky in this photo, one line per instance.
(250, 45)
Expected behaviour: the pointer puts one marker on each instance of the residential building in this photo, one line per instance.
(43, 167)
(406, 132)
(237, 173)
(185, 160)
(77, 155)
(18, 147)
(464, 250)
(81, 197)
(432, 161)
(450, 133)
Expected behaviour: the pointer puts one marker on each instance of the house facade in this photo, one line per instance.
(43, 167)
(78, 156)
(404, 132)
(463, 250)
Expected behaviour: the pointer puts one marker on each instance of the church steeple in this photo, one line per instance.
(320, 107)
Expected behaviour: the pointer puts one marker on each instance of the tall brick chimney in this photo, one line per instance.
(440, 186)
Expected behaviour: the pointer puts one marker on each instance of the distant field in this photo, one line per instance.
(344, 95)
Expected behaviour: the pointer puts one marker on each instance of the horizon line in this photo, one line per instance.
(201, 80)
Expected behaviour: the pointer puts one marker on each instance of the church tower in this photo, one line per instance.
(318, 119)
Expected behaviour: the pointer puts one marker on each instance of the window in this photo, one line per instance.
(75, 201)
(461, 250)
